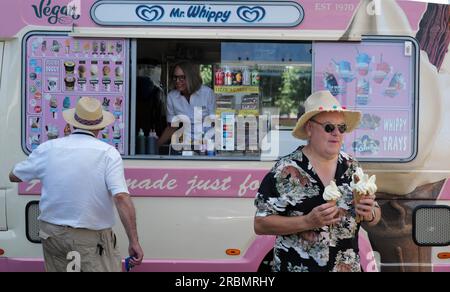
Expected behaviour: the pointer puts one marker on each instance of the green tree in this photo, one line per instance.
(206, 73)
(291, 91)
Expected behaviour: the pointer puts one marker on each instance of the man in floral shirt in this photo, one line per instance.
(314, 235)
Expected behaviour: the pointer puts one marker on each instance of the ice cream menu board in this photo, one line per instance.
(60, 70)
(377, 79)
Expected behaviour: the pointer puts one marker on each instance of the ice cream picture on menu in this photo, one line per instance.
(362, 185)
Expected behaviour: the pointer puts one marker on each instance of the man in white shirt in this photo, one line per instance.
(82, 178)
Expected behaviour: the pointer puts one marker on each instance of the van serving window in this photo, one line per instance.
(258, 89)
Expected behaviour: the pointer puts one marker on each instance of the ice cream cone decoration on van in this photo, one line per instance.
(362, 186)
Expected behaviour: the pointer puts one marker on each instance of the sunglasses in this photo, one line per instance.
(329, 127)
(178, 78)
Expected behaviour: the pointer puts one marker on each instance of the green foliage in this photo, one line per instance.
(206, 73)
(295, 87)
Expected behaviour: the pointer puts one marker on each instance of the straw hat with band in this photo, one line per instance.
(324, 101)
(88, 115)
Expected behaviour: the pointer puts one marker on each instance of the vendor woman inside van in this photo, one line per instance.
(188, 95)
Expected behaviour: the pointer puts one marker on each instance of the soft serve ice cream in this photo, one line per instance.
(362, 185)
(332, 193)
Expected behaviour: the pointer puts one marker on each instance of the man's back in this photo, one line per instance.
(78, 175)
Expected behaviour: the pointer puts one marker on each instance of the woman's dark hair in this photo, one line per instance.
(192, 76)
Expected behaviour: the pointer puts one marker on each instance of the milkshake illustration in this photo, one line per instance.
(331, 83)
(397, 83)
(362, 91)
(344, 70)
(381, 71)
(362, 63)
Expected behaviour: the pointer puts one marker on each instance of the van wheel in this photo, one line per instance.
(266, 264)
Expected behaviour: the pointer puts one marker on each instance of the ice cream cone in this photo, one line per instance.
(333, 202)
(357, 197)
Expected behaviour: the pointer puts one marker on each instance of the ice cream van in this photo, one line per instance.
(194, 197)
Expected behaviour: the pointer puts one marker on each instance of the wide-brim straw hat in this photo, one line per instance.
(324, 101)
(88, 115)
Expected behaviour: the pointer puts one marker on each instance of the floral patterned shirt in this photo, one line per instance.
(293, 188)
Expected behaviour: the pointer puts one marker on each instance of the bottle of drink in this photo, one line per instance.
(255, 78)
(219, 77)
(228, 77)
(239, 77)
(151, 147)
(140, 142)
(246, 80)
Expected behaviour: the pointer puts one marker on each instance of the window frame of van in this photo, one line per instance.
(131, 105)
(414, 88)
(2, 52)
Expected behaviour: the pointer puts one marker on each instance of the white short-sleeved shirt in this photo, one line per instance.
(80, 175)
(177, 104)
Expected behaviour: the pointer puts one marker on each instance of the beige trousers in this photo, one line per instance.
(68, 249)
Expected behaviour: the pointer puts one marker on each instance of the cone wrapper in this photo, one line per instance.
(357, 197)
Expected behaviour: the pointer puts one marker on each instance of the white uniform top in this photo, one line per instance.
(79, 176)
(177, 104)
